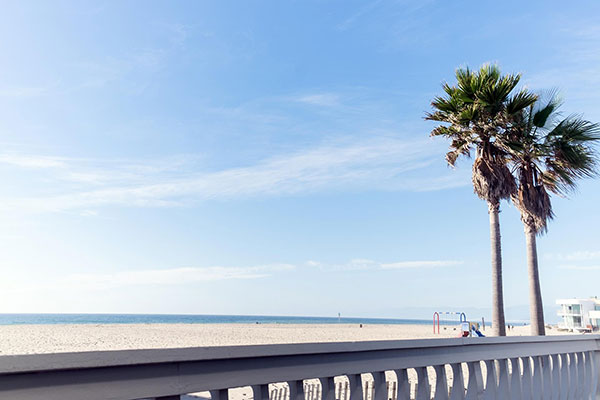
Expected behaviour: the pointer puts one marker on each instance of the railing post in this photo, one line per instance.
(537, 387)
(490, 380)
(516, 379)
(475, 385)
(596, 374)
(296, 390)
(503, 379)
(381, 390)
(423, 388)
(526, 381)
(554, 358)
(355, 385)
(587, 388)
(572, 394)
(327, 388)
(403, 384)
(222, 394)
(441, 382)
(580, 376)
(565, 377)
(260, 392)
(458, 382)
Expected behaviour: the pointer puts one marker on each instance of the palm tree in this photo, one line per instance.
(548, 155)
(476, 113)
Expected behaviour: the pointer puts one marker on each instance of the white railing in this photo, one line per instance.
(552, 367)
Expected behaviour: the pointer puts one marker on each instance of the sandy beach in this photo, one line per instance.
(32, 339)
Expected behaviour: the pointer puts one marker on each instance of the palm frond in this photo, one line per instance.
(548, 156)
(546, 107)
(520, 101)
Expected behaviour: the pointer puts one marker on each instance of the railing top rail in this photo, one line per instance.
(12, 364)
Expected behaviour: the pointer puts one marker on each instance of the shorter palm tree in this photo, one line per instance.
(548, 156)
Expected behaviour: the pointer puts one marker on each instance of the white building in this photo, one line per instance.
(579, 314)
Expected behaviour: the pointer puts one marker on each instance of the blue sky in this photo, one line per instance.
(271, 157)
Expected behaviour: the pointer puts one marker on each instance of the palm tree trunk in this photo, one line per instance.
(498, 321)
(536, 308)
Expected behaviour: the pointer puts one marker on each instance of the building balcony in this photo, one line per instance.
(567, 313)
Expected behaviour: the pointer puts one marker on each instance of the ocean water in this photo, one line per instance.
(49, 319)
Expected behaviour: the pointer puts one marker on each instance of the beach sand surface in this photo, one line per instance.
(32, 339)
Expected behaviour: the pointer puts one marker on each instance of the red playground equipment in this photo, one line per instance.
(436, 318)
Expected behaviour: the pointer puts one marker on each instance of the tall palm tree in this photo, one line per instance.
(476, 113)
(548, 155)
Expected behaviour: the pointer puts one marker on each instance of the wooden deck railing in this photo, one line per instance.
(551, 367)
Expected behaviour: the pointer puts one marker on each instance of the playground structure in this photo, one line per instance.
(467, 328)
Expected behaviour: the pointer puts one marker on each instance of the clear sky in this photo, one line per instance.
(271, 157)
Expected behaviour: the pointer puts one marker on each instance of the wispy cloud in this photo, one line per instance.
(581, 267)
(366, 264)
(577, 260)
(95, 281)
(375, 165)
(352, 19)
(153, 277)
(319, 99)
(578, 72)
(421, 264)
(574, 256)
(31, 161)
(16, 92)
(174, 276)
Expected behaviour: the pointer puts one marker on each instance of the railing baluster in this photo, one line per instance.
(572, 393)
(503, 379)
(379, 386)
(260, 392)
(596, 374)
(403, 384)
(441, 382)
(355, 385)
(490, 380)
(580, 376)
(327, 388)
(555, 376)
(475, 385)
(296, 390)
(526, 379)
(546, 377)
(565, 382)
(423, 388)
(537, 385)
(458, 382)
(587, 381)
(221, 394)
(516, 379)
